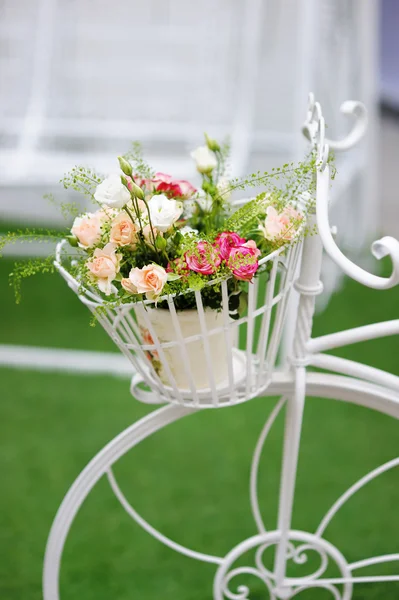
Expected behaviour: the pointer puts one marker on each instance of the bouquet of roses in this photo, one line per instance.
(153, 235)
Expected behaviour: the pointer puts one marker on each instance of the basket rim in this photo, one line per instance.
(90, 298)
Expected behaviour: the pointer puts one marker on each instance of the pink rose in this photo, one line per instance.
(151, 185)
(186, 189)
(87, 229)
(252, 244)
(178, 188)
(178, 266)
(243, 261)
(205, 259)
(146, 184)
(161, 178)
(137, 180)
(103, 267)
(172, 188)
(280, 225)
(123, 231)
(149, 280)
(291, 218)
(226, 241)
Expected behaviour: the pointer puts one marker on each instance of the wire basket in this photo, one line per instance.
(200, 357)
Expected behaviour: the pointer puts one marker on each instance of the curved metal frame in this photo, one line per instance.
(318, 385)
(355, 383)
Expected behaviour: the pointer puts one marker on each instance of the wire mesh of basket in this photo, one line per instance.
(200, 357)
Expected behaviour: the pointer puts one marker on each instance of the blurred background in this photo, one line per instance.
(81, 79)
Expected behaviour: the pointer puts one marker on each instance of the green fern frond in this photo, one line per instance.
(31, 235)
(246, 214)
(67, 209)
(140, 167)
(25, 269)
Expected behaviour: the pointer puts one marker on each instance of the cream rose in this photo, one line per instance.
(123, 231)
(205, 159)
(128, 286)
(112, 192)
(149, 280)
(87, 230)
(164, 212)
(103, 267)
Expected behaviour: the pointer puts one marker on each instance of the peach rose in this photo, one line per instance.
(123, 231)
(106, 214)
(147, 233)
(103, 267)
(87, 230)
(149, 280)
(141, 205)
(128, 286)
(280, 225)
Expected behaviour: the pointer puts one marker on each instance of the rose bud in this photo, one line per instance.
(212, 144)
(125, 166)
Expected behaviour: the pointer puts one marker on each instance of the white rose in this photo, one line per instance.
(186, 230)
(205, 159)
(164, 212)
(112, 192)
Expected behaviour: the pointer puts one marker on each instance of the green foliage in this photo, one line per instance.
(210, 213)
(211, 218)
(247, 214)
(83, 180)
(25, 269)
(292, 178)
(67, 209)
(28, 236)
(140, 167)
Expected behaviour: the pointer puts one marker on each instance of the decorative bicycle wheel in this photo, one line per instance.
(346, 381)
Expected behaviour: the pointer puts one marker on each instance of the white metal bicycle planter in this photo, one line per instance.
(251, 372)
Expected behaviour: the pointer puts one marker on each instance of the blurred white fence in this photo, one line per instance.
(80, 79)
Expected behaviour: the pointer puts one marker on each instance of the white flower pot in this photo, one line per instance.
(163, 327)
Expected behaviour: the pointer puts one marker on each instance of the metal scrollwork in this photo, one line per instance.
(314, 130)
(291, 587)
(243, 591)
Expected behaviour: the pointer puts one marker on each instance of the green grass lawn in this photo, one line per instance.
(190, 480)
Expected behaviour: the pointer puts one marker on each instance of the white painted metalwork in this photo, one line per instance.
(260, 340)
(190, 357)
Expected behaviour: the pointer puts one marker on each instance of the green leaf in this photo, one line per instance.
(173, 276)
(243, 303)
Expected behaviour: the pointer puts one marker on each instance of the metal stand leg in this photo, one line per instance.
(293, 426)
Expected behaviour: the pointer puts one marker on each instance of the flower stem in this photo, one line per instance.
(132, 218)
(136, 205)
(150, 224)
